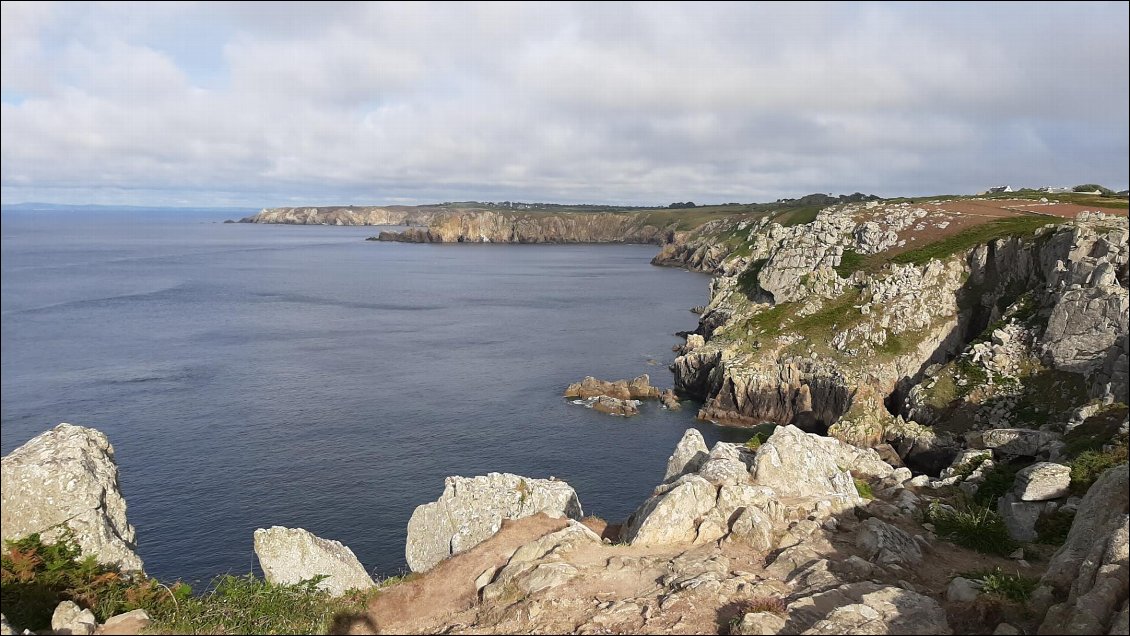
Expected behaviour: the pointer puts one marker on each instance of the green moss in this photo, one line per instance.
(863, 488)
(974, 236)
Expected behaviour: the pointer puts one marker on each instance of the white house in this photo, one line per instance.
(999, 189)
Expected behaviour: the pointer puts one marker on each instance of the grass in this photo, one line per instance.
(36, 576)
(1095, 431)
(799, 216)
(850, 262)
(974, 527)
(863, 488)
(1089, 465)
(974, 236)
(1014, 587)
(998, 481)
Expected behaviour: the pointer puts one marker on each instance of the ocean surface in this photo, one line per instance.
(259, 375)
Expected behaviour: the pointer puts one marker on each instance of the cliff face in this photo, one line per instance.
(486, 226)
(844, 325)
(346, 215)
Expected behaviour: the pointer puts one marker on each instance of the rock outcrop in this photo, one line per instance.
(1092, 569)
(471, 509)
(66, 480)
(491, 226)
(636, 389)
(293, 555)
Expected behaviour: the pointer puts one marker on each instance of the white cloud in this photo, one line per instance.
(297, 102)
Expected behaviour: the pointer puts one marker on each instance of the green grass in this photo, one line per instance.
(1089, 465)
(863, 488)
(36, 576)
(974, 236)
(998, 481)
(1014, 587)
(799, 216)
(850, 262)
(1096, 431)
(974, 527)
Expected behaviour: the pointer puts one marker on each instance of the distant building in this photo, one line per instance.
(999, 189)
(1054, 190)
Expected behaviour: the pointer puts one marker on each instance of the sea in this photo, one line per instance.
(258, 375)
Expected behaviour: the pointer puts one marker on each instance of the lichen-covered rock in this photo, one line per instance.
(471, 510)
(616, 406)
(795, 463)
(690, 453)
(1092, 569)
(69, 618)
(67, 478)
(868, 608)
(1014, 441)
(760, 624)
(636, 389)
(885, 544)
(1042, 481)
(672, 516)
(292, 555)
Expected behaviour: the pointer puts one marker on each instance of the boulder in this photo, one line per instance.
(66, 479)
(673, 515)
(471, 510)
(293, 555)
(5, 628)
(962, 590)
(670, 400)
(1092, 568)
(799, 464)
(886, 545)
(69, 618)
(1042, 481)
(126, 624)
(760, 624)
(1013, 441)
(690, 453)
(616, 406)
(868, 608)
(1020, 516)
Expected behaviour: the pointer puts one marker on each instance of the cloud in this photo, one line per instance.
(314, 103)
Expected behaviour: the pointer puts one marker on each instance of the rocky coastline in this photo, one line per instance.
(938, 434)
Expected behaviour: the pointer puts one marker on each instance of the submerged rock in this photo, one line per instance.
(471, 510)
(66, 479)
(293, 555)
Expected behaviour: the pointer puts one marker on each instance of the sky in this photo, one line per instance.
(273, 104)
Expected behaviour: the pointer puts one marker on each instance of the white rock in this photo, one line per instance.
(885, 544)
(471, 510)
(67, 478)
(292, 555)
(962, 590)
(672, 516)
(128, 623)
(1042, 481)
(690, 453)
(69, 618)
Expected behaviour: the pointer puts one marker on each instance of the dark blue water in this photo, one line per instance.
(253, 375)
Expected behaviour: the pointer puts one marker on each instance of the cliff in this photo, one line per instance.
(346, 215)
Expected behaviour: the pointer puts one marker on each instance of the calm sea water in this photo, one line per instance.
(253, 375)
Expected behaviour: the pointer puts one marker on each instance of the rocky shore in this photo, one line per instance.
(935, 394)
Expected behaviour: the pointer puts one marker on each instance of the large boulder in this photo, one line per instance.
(293, 555)
(1092, 569)
(471, 510)
(66, 480)
(1013, 441)
(1042, 481)
(674, 514)
(867, 608)
(799, 464)
(689, 455)
(885, 544)
(1020, 516)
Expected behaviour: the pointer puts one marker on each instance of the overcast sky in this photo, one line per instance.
(280, 104)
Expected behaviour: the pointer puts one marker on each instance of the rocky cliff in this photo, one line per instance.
(346, 215)
(487, 226)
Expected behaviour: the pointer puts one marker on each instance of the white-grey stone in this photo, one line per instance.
(485, 578)
(690, 453)
(69, 618)
(672, 516)
(1020, 516)
(760, 624)
(868, 608)
(962, 590)
(799, 464)
(133, 622)
(1042, 481)
(5, 628)
(293, 555)
(755, 528)
(471, 510)
(67, 478)
(1092, 568)
(885, 544)
(1004, 629)
(1014, 441)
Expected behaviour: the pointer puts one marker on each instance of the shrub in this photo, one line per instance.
(770, 604)
(973, 527)
(1087, 467)
(1014, 587)
(998, 481)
